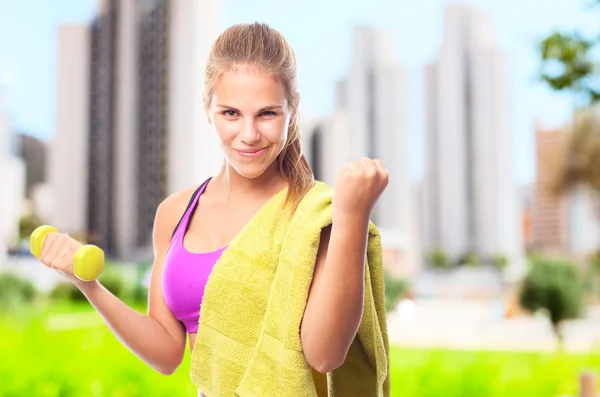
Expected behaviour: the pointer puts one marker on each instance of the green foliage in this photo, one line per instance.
(438, 259)
(468, 259)
(594, 262)
(15, 291)
(394, 289)
(111, 278)
(568, 65)
(140, 290)
(556, 287)
(500, 261)
(66, 290)
(27, 225)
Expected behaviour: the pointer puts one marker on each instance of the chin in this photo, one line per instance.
(249, 172)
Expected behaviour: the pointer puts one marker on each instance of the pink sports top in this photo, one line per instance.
(185, 273)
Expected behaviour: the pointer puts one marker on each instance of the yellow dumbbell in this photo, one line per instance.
(88, 261)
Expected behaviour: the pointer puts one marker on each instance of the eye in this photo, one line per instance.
(268, 113)
(229, 113)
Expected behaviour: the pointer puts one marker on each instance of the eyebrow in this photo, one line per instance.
(264, 109)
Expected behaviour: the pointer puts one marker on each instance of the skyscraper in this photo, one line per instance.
(368, 120)
(372, 96)
(68, 151)
(146, 130)
(471, 198)
(33, 152)
(12, 181)
(101, 134)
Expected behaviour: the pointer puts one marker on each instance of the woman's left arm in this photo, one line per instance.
(335, 302)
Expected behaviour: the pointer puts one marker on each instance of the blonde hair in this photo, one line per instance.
(259, 46)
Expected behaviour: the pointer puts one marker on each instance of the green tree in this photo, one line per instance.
(555, 287)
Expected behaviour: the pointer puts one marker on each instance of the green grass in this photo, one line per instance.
(40, 361)
(444, 373)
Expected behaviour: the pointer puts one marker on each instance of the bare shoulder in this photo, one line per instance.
(168, 213)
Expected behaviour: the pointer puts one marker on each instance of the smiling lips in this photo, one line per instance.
(251, 153)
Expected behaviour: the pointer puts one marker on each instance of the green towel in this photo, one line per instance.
(248, 342)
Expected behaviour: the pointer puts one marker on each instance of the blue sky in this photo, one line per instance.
(320, 33)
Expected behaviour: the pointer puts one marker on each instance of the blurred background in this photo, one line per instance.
(485, 113)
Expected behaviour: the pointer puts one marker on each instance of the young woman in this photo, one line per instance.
(251, 102)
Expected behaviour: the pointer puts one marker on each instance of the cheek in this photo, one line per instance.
(225, 130)
(275, 130)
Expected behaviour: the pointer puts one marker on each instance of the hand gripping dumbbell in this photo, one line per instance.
(88, 261)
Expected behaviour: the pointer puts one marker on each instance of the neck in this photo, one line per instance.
(233, 185)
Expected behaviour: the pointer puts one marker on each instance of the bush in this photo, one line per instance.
(438, 259)
(66, 290)
(500, 261)
(15, 291)
(557, 288)
(113, 281)
(110, 278)
(27, 225)
(468, 259)
(140, 290)
(394, 289)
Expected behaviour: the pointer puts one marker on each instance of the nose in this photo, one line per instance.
(250, 134)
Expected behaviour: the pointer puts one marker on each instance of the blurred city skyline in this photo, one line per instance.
(28, 65)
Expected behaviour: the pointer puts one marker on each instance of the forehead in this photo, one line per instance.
(249, 88)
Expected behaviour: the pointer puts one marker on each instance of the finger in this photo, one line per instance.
(47, 247)
(54, 250)
(61, 258)
(379, 164)
(368, 165)
(366, 161)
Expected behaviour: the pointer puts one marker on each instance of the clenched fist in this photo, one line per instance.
(58, 252)
(358, 187)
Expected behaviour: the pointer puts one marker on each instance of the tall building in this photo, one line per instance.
(152, 158)
(325, 145)
(561, 222)
(372, 96)
(549, 221)
(369, 121)
(101, 133)
(68, 155)
(33, 152)
(146, 130)
(12, 180)
(471, 197)
(193, 150)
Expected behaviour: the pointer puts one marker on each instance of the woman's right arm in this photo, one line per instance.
(157, 338)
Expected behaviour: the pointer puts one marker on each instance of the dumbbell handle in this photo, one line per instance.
(88, 261)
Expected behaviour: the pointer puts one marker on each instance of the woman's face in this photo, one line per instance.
(250, 114)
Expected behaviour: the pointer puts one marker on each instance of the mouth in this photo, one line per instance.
(251, 153)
